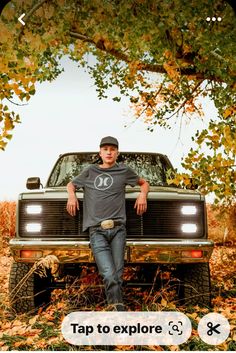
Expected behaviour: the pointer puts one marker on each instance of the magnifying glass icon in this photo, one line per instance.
(175, 328)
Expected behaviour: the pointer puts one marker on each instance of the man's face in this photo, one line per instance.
(109, 154)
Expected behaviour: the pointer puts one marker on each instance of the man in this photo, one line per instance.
(104, 213)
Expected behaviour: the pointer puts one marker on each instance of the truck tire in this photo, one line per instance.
(147, 273)
(194, 284)
(35, 291)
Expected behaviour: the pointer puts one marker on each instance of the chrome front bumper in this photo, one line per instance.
(153, 251)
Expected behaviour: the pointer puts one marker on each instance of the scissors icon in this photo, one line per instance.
(212, 328)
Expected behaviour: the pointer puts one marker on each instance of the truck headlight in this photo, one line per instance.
(189, 228)
(188, 210)
(33, 209)
(33, 227)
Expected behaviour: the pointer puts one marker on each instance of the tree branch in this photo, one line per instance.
(30, 13)
(185, 101)
(188, 71)
(100, 45)
(20, 105)
(34, 8)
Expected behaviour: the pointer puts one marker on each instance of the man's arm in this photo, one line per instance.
(141, 202)
(72, 203)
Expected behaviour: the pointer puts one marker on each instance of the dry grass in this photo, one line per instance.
(222, 224)
(7, 222)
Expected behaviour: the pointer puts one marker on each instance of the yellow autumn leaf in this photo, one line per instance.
(19, 344)
(39, 12)
(171, 306)
(214, 187)
(149, 112)
(33, 320)
(193, 315)
(171, 70)
(108, 44)
(97, 37)
(29, 341)
(6, 35)
(210, 168)
(17, 91)
(195, 172)
(215, 137)
(229, 111)
(163, 302)
(8, 124)
(52, 340)
(168, 54)
(186, 181)
(9, 13)
(173, 181)
(174, 348)
(49, 12)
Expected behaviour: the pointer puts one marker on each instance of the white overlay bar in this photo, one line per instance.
(126, 328)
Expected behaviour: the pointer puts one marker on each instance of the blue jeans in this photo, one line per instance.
(108, 246)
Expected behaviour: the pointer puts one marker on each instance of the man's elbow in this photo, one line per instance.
(143, 183)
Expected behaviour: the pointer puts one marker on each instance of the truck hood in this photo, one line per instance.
(156, 192)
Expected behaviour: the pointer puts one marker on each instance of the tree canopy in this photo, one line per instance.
(164, 55)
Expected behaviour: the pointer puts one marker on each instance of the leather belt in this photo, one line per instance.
(108, 224)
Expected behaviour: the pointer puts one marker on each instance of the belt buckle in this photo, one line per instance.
(107, 224)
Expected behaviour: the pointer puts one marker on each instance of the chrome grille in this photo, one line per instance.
(163, 219)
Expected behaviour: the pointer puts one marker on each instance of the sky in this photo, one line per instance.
(66, 116)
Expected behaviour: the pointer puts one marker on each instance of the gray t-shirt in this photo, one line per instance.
(104, 192)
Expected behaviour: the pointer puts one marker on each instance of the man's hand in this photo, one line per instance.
(72, 205)
(141, 203)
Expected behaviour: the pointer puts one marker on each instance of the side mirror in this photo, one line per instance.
(33, 183)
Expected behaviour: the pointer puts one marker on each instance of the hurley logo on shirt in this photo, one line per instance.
(103, 181)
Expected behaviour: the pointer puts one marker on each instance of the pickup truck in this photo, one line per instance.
(173, 232)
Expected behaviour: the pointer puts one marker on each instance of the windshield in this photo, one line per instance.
(152, 167)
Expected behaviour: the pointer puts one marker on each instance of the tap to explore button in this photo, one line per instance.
(126, 328)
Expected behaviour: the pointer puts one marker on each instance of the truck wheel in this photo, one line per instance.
(194, 285)
(147, 273)
(32, 293)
